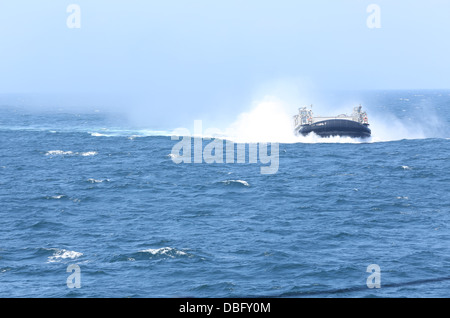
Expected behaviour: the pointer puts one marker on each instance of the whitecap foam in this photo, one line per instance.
(92, 180)
(243, 182)
(406, 168)
(61, 254)
(165, 251)
(95, 134)
(88, 153)
(58, 153)
(70, 153)
(129, 134)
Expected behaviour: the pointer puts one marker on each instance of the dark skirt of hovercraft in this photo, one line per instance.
(336, 127)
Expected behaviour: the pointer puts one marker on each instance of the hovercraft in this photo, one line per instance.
(355, 125)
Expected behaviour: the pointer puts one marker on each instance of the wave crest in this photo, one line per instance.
(236, 182)
(62, 254)
(70, 153)
(152, 253)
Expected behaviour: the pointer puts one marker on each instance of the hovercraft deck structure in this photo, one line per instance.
(356, 125)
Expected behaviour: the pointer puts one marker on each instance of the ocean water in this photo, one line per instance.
(76, 188)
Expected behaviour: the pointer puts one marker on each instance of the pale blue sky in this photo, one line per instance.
(188, 55)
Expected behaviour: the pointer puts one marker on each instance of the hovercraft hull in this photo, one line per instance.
(336, 127)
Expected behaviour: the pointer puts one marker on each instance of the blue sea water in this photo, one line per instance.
(76, 188)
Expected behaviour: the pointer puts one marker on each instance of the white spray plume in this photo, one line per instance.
(270, 117)
(268, 121)
(271, 120)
